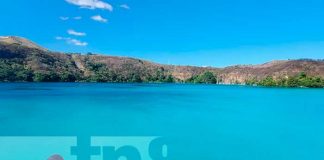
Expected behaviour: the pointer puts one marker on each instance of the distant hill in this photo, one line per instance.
(23, 60)
(20, 41)
(275, 69)
(20, 55)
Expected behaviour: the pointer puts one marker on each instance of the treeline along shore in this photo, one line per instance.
(24, 61)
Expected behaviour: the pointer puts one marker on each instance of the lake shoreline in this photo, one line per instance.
(162, 83)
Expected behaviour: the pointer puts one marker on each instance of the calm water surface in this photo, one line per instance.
(201, 121)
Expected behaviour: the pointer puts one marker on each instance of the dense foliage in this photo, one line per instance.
(207, 78)
(11, 71)
(14, 72)
(300, 80)
(23, 64)
(102, 73)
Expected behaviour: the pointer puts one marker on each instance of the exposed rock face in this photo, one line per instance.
(26, 54)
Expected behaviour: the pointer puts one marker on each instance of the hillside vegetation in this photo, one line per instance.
(24, 61)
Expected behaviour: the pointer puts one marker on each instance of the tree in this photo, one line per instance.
(68, 77)
(269, 81)
(44, 76)
(206, 77)
(169, 79)
(299, 80)
(136, 78)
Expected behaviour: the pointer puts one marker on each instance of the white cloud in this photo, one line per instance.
(75, 33)
(72, 41)
(77, 42)
(99, 19)
(59, 38)
(91, 4)
(64, 18)
(67, 18)
(125, 6)
(77, 18)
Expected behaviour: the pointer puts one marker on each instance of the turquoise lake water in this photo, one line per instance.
(200, 121)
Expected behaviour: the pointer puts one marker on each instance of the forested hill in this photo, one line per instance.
(23, 60)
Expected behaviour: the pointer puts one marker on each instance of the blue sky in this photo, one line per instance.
(203, 33)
